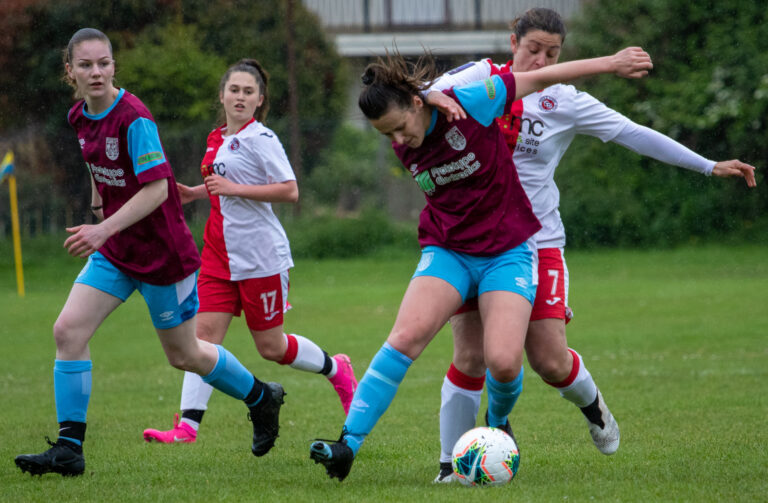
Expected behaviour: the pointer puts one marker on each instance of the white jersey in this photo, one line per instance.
(243, 238)
(542, 126)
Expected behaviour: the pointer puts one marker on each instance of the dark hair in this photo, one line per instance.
(394, 81)
(80, 36)
(538, 19)
(254, 68)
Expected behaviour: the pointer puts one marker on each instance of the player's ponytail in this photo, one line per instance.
(394, 81)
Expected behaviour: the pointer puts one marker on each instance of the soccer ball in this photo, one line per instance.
(485, 457)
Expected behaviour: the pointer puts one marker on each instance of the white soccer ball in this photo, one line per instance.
(485, 457)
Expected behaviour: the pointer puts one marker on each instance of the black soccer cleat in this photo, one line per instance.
(506, 428)
(446, 474)
(337, 457)
(63, 458)
(265, 417)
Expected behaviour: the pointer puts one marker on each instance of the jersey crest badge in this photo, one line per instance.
(235, 145)
(112, 148)
(455, 139)
(547, 104)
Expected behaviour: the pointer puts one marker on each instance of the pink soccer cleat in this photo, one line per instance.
(344, 381)
(181, 432)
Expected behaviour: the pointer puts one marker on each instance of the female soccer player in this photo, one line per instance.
(141, 243)
(246, 255)
(475, 230)
(538, 131)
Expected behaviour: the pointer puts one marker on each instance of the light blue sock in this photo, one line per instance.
(502, 397)
(72, 391)
(229, 375)
(374, 393)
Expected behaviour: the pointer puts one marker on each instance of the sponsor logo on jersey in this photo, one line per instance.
(455, 139)
(149, 157)
(112, 148)
(457, 170)
(490, 88)
(547, 104)
(112, 177)
(206, 170)
(425, 182)
(235, 145)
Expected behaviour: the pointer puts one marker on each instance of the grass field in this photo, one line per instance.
(677, 340)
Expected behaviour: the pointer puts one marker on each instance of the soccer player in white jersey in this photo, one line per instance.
(539, 130)
(246, 255)
(141, 242)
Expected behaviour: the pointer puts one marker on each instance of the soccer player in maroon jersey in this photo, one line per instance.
(246, 255)
(475, 230)
(141, 242)
(538, 131)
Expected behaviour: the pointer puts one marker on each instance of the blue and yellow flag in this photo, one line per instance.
(6, 167)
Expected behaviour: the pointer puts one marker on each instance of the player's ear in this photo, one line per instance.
(416, 101)
(513, 43)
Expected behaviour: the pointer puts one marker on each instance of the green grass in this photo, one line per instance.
(676, 340)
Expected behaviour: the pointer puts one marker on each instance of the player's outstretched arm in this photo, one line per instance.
(737, 168)
(631, 63)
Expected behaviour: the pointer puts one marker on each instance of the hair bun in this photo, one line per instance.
(368, 76)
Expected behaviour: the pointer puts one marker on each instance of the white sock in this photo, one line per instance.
(303, 354)
(458, 411)
(579, 388)
(195, 393)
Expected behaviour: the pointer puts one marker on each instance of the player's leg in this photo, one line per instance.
(97, 291)
(195, 393)
(558, 365)
(462, 386)
(264, 302)
(173, 311)
(427, 304)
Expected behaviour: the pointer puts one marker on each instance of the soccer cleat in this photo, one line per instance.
(337, 457)
(446, 475)
(506, 428)
(265, 417)
(344, 381)
(181, 433)
(602, 425)
(63, 457)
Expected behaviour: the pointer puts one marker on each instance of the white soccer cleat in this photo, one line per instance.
(606, 436)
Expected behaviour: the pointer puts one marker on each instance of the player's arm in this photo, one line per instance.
(281, 192)
(469, 72)
(86, 239)
(632, 62)
(650, 143)
(188, 194)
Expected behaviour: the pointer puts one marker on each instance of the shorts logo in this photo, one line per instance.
(521, 282)
(235, 145)
(552, 301)
(271, 315)
(425, 262)
(547, 104)
(112, 148)
(166, 316)
(455, 139)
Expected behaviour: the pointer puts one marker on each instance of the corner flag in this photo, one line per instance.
(6, 171)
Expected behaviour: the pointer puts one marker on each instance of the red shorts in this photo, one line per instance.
(552, 291)
(262, 299)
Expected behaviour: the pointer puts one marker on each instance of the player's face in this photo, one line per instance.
(535, 50)
(405, 126)
(92, 69)
(241, 97)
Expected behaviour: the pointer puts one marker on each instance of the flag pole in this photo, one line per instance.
(7, 170)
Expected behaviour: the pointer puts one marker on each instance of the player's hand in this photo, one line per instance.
(735, 168)
(85, 239)
(446, 105)
(186, 194)
(632, 63)
(220, 186)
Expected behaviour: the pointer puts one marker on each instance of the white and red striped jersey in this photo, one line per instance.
(243, 238)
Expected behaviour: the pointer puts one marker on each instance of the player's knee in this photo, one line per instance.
(65, 334)
(470, 361)
(550, 367)
(270, 352)
(504, 369)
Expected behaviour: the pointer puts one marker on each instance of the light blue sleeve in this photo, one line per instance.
(484, 100)
(144, 145)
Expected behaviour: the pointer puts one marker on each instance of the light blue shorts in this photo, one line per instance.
(515, 270)
(169, 305)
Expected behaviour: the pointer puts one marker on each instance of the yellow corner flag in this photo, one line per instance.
(6, 171)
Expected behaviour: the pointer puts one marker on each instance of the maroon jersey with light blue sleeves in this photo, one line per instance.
(122, 151)
(475, 202)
